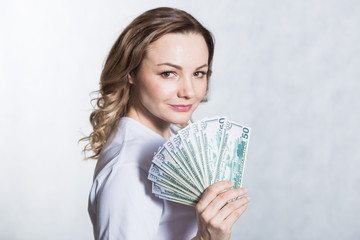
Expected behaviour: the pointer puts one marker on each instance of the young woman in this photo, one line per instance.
(156, 75)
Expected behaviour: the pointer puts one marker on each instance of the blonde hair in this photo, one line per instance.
(125, 57)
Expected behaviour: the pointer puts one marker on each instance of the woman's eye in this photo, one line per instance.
(199, 74)
(167, 74)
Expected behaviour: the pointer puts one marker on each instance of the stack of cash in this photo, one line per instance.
(204, 152)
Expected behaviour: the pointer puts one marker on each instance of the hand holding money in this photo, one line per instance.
(203, 153)
(214, 219)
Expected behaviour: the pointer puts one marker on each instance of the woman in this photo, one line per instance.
(156, 74)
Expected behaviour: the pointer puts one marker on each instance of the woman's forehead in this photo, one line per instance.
(178, 48)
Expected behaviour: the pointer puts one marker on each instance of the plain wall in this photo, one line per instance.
(288, 69)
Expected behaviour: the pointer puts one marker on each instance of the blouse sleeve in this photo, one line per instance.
(125, 206)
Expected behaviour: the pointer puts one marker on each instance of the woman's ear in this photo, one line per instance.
(131, 78)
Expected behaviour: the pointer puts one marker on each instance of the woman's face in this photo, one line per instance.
(172, 79)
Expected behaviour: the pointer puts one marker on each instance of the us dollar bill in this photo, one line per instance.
(179, 150)
(205, 152)
(192, 147)
(231, 160)
(211, 132)
(170, 194)
(164, 160)
(159, 176)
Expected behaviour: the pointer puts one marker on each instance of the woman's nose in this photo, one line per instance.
(186, 88)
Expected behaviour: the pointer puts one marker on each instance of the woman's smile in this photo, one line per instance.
(182, 108)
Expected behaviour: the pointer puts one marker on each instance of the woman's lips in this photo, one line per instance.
(182, 108)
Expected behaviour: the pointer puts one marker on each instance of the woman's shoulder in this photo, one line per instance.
(131, 145)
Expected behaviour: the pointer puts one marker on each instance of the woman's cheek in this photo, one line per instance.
(202, 92)
(166, 91)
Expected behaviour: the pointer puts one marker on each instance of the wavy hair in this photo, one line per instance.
(112, 102)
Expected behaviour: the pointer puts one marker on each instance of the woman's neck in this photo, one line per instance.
(159, 126)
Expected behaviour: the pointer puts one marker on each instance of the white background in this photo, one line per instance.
(288, 69)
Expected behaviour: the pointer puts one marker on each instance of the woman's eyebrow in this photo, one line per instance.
(205, 65)
(179, 67)
(171, 65)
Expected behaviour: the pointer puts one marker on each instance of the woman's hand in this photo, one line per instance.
(215, 216)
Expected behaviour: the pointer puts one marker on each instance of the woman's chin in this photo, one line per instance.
(181, 120)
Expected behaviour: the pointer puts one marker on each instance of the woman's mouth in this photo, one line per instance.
(181, 108)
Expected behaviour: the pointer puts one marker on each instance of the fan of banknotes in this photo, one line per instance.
(205, 152)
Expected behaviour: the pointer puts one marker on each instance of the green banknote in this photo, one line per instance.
(211, 131)
(169, 193)
(164, 161)
(231, 161)
(180, 150)
(192, 147)
(159, 176)
(204, 152)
